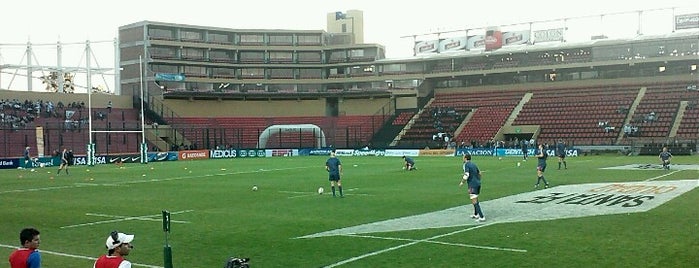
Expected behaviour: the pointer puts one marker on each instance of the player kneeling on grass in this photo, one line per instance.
(409, 163)
(665, 157)
(472, 177)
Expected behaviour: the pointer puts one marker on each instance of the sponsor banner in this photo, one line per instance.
(518, 152)
(453, 44)
(474, 151)
(47, 161)
(515, 38)
(6, 163)
(162, 156)
(558, 202)
(493, 38)
(549, 35)
(687, 21)
(344, 152)
(440, 152)
(475, 42)
(124, 158)
(247, 153)
(81, 160)
(425, 47)
(193, 154)
(218, 154)
(281, 152)
(363, 152)
(314, 151)
(169, 77)
(399, 152)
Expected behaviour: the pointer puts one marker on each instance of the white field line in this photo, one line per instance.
(664, 175)
(121, 218)
(413, 242)
(442, 243)
(79, 256)
(79, 185)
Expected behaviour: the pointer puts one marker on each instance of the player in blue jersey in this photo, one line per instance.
(541, 155)
(409, 163)
(561, 153)
(472, 177)
(665, 157)
(28, 158)
(334, 168)
(525, 150)
(27, 256)
(64, 161)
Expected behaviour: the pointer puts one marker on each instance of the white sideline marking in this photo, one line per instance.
(123, 218)
(149, 218)
(79, 185)
(658, 177)
(441, 243)
(404, 245)
(308, 194)
(79, 256)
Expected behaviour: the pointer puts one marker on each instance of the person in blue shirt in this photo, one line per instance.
(64, 161)
(525, 150)
(665, 157)
(541, 155)
(28, 158)
(472, 177)
(409, 163)
(27, 256)
(334, 168)
(561, 153)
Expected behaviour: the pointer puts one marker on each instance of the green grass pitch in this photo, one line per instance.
(215, 214)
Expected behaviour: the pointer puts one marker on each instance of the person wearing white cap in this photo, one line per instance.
(118, 246)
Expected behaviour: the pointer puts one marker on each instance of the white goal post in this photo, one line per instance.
(296, 128)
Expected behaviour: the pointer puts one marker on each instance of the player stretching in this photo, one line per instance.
(665, 158)
(409, 163)
(472, 177)
(541, 167)
(561, 153)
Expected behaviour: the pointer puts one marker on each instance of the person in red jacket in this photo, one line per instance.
(27, 256)
(118, 247)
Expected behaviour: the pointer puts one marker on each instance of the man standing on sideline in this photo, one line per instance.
(27, 256)
(334, 168)
(472, 177)
(118, 247)
(64, 161)
(409, 163)
(541, 155)
(525, 150)
(665, 157)
(561, 153)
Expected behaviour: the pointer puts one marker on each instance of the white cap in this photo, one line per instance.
(121, 239)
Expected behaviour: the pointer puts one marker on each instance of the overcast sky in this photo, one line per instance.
(70, 21)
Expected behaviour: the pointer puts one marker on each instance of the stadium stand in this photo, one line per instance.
(574, 114)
